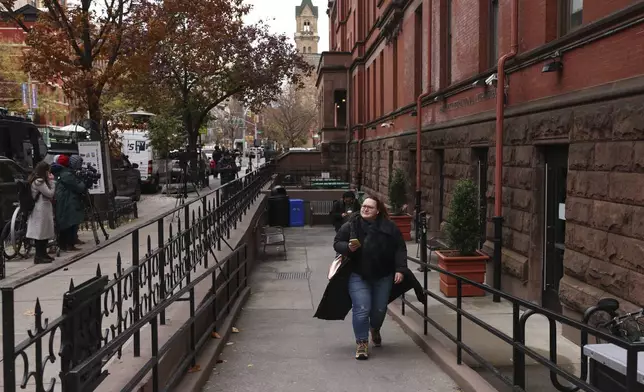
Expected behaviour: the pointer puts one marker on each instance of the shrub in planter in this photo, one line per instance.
(397, 200)
(463, 234)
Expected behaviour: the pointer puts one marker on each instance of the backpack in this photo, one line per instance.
(27, 202)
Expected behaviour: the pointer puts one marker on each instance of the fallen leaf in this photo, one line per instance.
(30, 312)
(235, 330)
(216, 335)
(250, 365)
(194, 369)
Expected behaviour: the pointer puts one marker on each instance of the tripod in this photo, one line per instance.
(183, 195)
(95, 218)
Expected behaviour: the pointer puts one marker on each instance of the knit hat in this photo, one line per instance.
(75, 162)
(63, 160)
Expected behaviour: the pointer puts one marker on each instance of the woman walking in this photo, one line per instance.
(40, 224)
(373, 273)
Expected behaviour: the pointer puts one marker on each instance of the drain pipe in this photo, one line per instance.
(361, 134)
(348, 124)
(498, 169)
(419, 122)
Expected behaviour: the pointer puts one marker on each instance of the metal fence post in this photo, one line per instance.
(459, 321)
(422, 222)
(518, 356)
(135, 290)
(161, 242)
(8, 341)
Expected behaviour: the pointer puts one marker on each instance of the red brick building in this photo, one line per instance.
(11, 34)
(573, 129)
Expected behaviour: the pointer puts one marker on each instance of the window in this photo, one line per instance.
(571, 15)
(310, 51)
(418, 52)
(307, 26)
(395, 74)
(448, 44)
(493, 54)
(382, 83)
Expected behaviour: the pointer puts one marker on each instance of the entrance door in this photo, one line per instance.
(481, 181)
(556, 171)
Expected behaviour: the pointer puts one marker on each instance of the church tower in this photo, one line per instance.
(306, 36)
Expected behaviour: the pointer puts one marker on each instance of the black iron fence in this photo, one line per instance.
(522, 312)
(313, 178)
(100, 316)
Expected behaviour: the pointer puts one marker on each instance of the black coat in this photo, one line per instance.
(336, 301)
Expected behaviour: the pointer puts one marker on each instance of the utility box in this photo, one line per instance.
(296, 213)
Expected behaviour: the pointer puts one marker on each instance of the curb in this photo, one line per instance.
(463, 375)
(208, 356)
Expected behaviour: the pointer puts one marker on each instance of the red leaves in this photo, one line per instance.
(207, 55)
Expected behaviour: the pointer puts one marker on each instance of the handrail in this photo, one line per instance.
(517, 339)
(14, 283)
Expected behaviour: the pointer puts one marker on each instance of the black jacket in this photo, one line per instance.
(336, 302)
(339, 209)
(382, 252)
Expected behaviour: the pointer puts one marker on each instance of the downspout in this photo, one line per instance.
(419, 118)
(348, 123)
(361, 134)
(498, 169)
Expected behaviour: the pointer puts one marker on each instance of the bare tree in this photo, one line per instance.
(228, 121)
(293, 116)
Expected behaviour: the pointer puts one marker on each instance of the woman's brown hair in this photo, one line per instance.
(382, 209)
(40, 171)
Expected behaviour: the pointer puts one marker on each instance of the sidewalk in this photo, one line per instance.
(281, 347)
(51, 288)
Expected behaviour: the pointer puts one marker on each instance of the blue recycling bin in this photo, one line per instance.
(296, 213)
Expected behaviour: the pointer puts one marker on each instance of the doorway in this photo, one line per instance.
(556, 171)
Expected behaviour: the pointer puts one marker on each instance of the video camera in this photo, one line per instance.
(88, 175)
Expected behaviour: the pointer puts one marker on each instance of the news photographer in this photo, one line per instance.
(70, 208)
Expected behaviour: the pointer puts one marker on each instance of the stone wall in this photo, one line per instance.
(605, 193)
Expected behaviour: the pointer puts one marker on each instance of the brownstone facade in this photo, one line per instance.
(582, 123)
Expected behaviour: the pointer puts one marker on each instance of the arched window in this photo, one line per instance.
(307, 26)
(310, 50)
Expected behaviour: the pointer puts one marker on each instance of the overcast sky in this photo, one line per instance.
(280, 15)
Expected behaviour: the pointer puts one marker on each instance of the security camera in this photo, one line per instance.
(387, 125)
(492, 80)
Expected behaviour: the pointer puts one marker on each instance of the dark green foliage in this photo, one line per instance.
(397, 191)
(462, 226)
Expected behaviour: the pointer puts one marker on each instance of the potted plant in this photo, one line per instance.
(398, 201)
(463, 234)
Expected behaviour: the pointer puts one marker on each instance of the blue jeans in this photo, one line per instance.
(369, 300)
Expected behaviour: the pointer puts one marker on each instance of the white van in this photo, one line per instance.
(137, 147)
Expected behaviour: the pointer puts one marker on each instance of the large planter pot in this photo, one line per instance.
(470, 267)
(403, 222)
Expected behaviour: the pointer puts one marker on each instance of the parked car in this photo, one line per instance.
(126, 178)
(10, 171)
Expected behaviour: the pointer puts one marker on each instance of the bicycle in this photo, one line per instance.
(21, 244)
(626, 326)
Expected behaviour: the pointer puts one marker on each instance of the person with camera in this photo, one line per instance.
(40, 224)
(70, 208)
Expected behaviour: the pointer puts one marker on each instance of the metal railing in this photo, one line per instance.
(522, 312)
(313, 178)
(102, 314)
